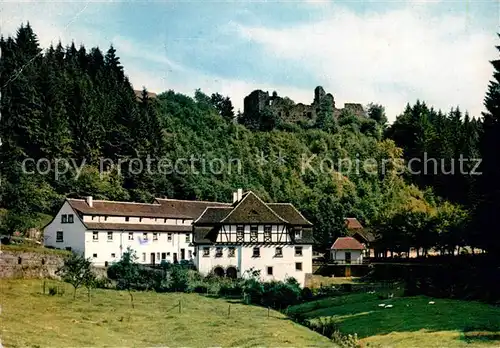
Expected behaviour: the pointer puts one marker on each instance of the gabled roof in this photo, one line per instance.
(193, 209)
(116, 208)
(212, 214)
(251, 209)
(366, 236)
(353, 223)
(347, 243)
(288, 212)
(161, 208)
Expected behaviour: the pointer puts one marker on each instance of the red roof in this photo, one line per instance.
(352, 223)
(347, 243)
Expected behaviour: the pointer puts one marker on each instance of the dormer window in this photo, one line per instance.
(253, 233)
(267, 233)
(298, 232)
(127, 219)
(240, 233)
(70, 218)
(64, 219)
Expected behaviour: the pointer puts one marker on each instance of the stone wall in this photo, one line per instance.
(22, 264)
(29, 265)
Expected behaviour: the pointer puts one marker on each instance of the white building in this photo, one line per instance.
(103, 230)
(273, 238)
(347, 250)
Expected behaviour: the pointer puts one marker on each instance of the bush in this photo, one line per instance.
(253, 291)
(280, 295)
(52, 291)
(306, 294)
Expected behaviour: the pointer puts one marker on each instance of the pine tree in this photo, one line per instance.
(487, 211)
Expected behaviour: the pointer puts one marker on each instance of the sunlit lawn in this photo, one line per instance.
(412, 321)
(29, 318)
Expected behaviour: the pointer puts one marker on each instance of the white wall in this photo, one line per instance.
(104, 248)
(283, 267)
(73, 233)
(339, 255)
(137, 220)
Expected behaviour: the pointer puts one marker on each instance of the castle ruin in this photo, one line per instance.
(289, 112)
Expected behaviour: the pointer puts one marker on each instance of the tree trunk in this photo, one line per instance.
(74, 293)
(88, 294)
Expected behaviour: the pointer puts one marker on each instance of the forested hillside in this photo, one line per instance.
(76, 106)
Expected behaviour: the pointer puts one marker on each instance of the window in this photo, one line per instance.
(218, 252)
(269, 270)
(190, 254)
(110, 236)
(105, 218)
(94, 256)
(164, 221)
(253, 233)
(113, 255)
(231, 252)
(163, 256)
(59, 236)
(70, 218)
(155, 236)
(143, 257)
(145, 236)
(279, 252)
(95, 236)
(188, 238)
(240, 233)
(256, 252)
(298, 232)
(298, 266)
(206, 252)
(158, 256)
(168, 254)
(169, 237)
(267, 233)
(64, 218)
(131, 236)
(127, 219)
(298, 251)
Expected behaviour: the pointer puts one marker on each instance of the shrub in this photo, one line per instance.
(52, 291)
(252, 291)
(306, 294)
(345, 341)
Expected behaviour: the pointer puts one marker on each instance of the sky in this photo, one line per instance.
(386, 52)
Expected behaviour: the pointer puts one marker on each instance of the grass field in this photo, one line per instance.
(411, 322)
(29, 318)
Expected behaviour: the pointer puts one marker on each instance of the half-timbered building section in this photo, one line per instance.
(273, 238)
(102, 230)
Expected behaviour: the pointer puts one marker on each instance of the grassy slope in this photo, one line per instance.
(412, 321)
(30, 318)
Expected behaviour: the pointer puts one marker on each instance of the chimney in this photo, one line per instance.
(90, 201)
(240, 194)
(235, 197)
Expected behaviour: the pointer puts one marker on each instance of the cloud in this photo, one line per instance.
(393, 57)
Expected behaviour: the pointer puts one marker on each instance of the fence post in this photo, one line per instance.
(180, 306)
(268, 312)
(229, 310)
